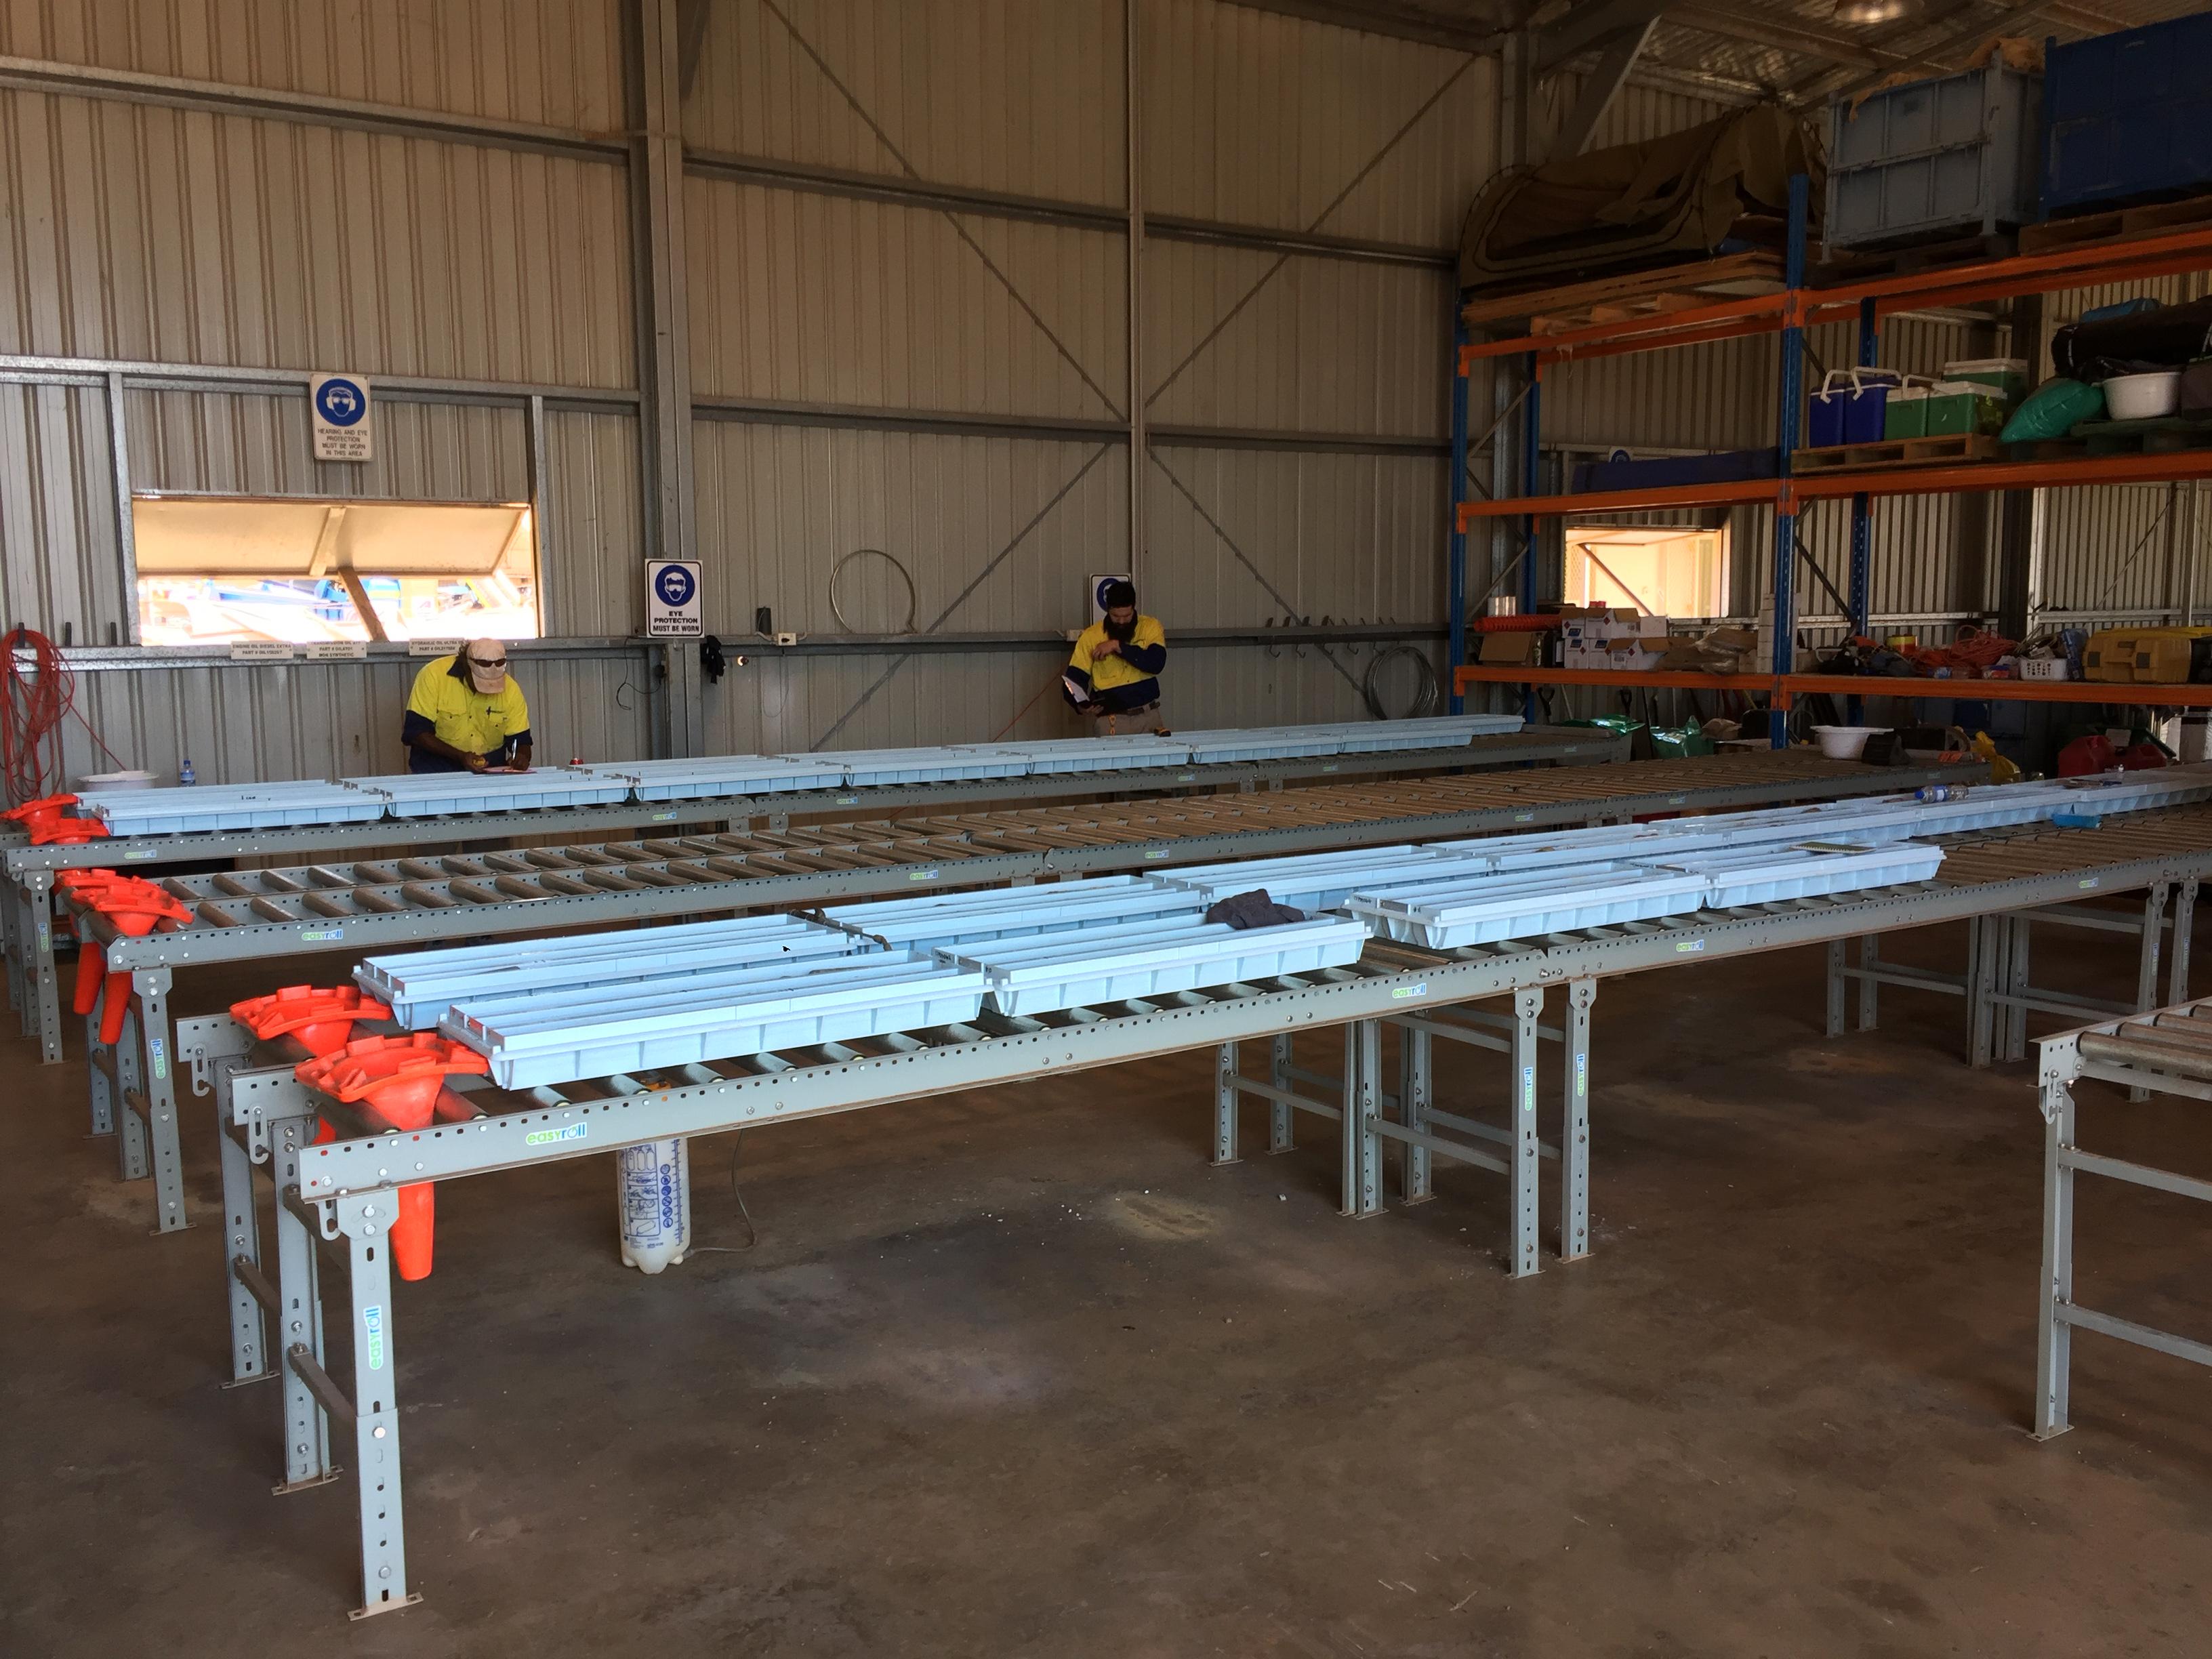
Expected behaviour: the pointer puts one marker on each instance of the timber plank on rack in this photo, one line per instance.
(1621, 299)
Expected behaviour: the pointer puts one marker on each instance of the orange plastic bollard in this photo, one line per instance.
(48, 821)
(403, 1079)
(320, 1018)
(133, 908)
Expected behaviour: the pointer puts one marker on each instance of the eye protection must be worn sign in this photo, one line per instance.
(338, 404)
(673, 607)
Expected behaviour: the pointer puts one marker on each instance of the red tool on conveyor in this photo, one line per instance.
(320, 1017)
(133, 908)
(403, 1079)
(48, 821)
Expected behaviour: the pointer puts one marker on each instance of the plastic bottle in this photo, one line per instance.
(184, 778)
(1936, 791)
(653, 1203)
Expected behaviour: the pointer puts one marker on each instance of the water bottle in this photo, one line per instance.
(1933, 792)
(653, 1203)
(184, 778)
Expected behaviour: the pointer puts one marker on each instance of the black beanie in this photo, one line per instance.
(1120, 593)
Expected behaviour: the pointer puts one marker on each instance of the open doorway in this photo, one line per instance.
(1661, 570)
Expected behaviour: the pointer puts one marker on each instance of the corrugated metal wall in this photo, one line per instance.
(939, 382)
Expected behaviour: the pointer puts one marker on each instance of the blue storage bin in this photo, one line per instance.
(2128, 115)
(1956, 154)
(1848, 407)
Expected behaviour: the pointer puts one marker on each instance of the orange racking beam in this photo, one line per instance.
(1788, 688)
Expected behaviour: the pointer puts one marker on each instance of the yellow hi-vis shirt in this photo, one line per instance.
(1109, 671)
(462, 715)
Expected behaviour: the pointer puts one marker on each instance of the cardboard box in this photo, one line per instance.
(1521, 648)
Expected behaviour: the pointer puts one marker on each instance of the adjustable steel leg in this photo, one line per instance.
(1366, 1100)
(1224, 1105)
(1574, 1130)
(2054, 1344)
(38, 964)
(129, 1057)
(2018, 980)
(2154, 935)
(241, 1245)
(1415, 1093)
(299, 1326)
(376, 1410)
(1836, 985)
(152, 1007)
(2185, 922)
(1278, 1114)
(1528, 1010)
(1869, 989)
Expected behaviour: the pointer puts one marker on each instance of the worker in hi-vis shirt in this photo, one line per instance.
(1114, 674)
(466, 715)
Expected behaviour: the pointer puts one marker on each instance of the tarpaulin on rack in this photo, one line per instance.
(1633, 206)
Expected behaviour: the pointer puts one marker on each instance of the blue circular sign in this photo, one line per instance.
(674, 584)
(1099, 592)
(341, 402)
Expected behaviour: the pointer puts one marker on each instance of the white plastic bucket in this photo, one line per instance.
(1844, 742)
(653, 1203)
(99, 781)
(2143, 397)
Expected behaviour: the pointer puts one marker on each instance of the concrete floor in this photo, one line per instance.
(1017, 1374)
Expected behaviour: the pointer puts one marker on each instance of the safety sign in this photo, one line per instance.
(339, 406)
(673, 609)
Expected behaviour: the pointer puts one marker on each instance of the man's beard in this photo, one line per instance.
(1123, 632)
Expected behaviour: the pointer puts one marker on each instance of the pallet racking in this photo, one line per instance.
(1652, 325)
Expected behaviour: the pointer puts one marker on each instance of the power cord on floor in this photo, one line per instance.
(752, 1232)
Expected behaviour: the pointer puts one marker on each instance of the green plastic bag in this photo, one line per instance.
(1668, 743)
(2052, 411)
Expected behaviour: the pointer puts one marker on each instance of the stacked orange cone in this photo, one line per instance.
(403, 1079)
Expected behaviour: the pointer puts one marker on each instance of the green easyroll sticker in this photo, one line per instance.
(549, 1137)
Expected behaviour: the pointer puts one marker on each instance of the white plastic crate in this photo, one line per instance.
(1227, 747)
(717, 776)
(420, 985)
(1049, 972)
(1488, 908)
(1007, 912)
(537, 1040)
(447, 794)
(1768, 875)
(1090, 755)
(875, 767)
(200, 811)
(1315, 881)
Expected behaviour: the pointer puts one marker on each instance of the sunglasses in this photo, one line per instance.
(487, 662)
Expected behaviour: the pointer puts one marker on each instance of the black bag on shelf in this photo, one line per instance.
(2166, 338)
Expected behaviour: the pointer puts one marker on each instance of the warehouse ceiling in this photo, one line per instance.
(1800, 50)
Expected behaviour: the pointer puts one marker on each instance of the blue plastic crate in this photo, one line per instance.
(2128, 116)
(1953, 155)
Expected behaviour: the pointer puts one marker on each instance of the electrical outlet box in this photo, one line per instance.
(787, 639)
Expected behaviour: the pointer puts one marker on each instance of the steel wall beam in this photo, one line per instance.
(663, 352)
(1594, 23)
(1607, 78)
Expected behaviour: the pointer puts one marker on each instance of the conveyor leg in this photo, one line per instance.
(1363, 1103)
(151, 1004)
(2185, 923)
(376, 1416)
(101, 1091)
(2154, 936)
(2019, 977)
(46, 985)
(1574, 1130)
(1836, 984)
(1984, 935)
(241, 1241)
(1528, 1012)
(299, 1294)
(2054, 1340)
(1415, 1093)
(11, 941)
(130, 1080)
(1224, 1105)
(1278, 1114)
(1869, 989)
